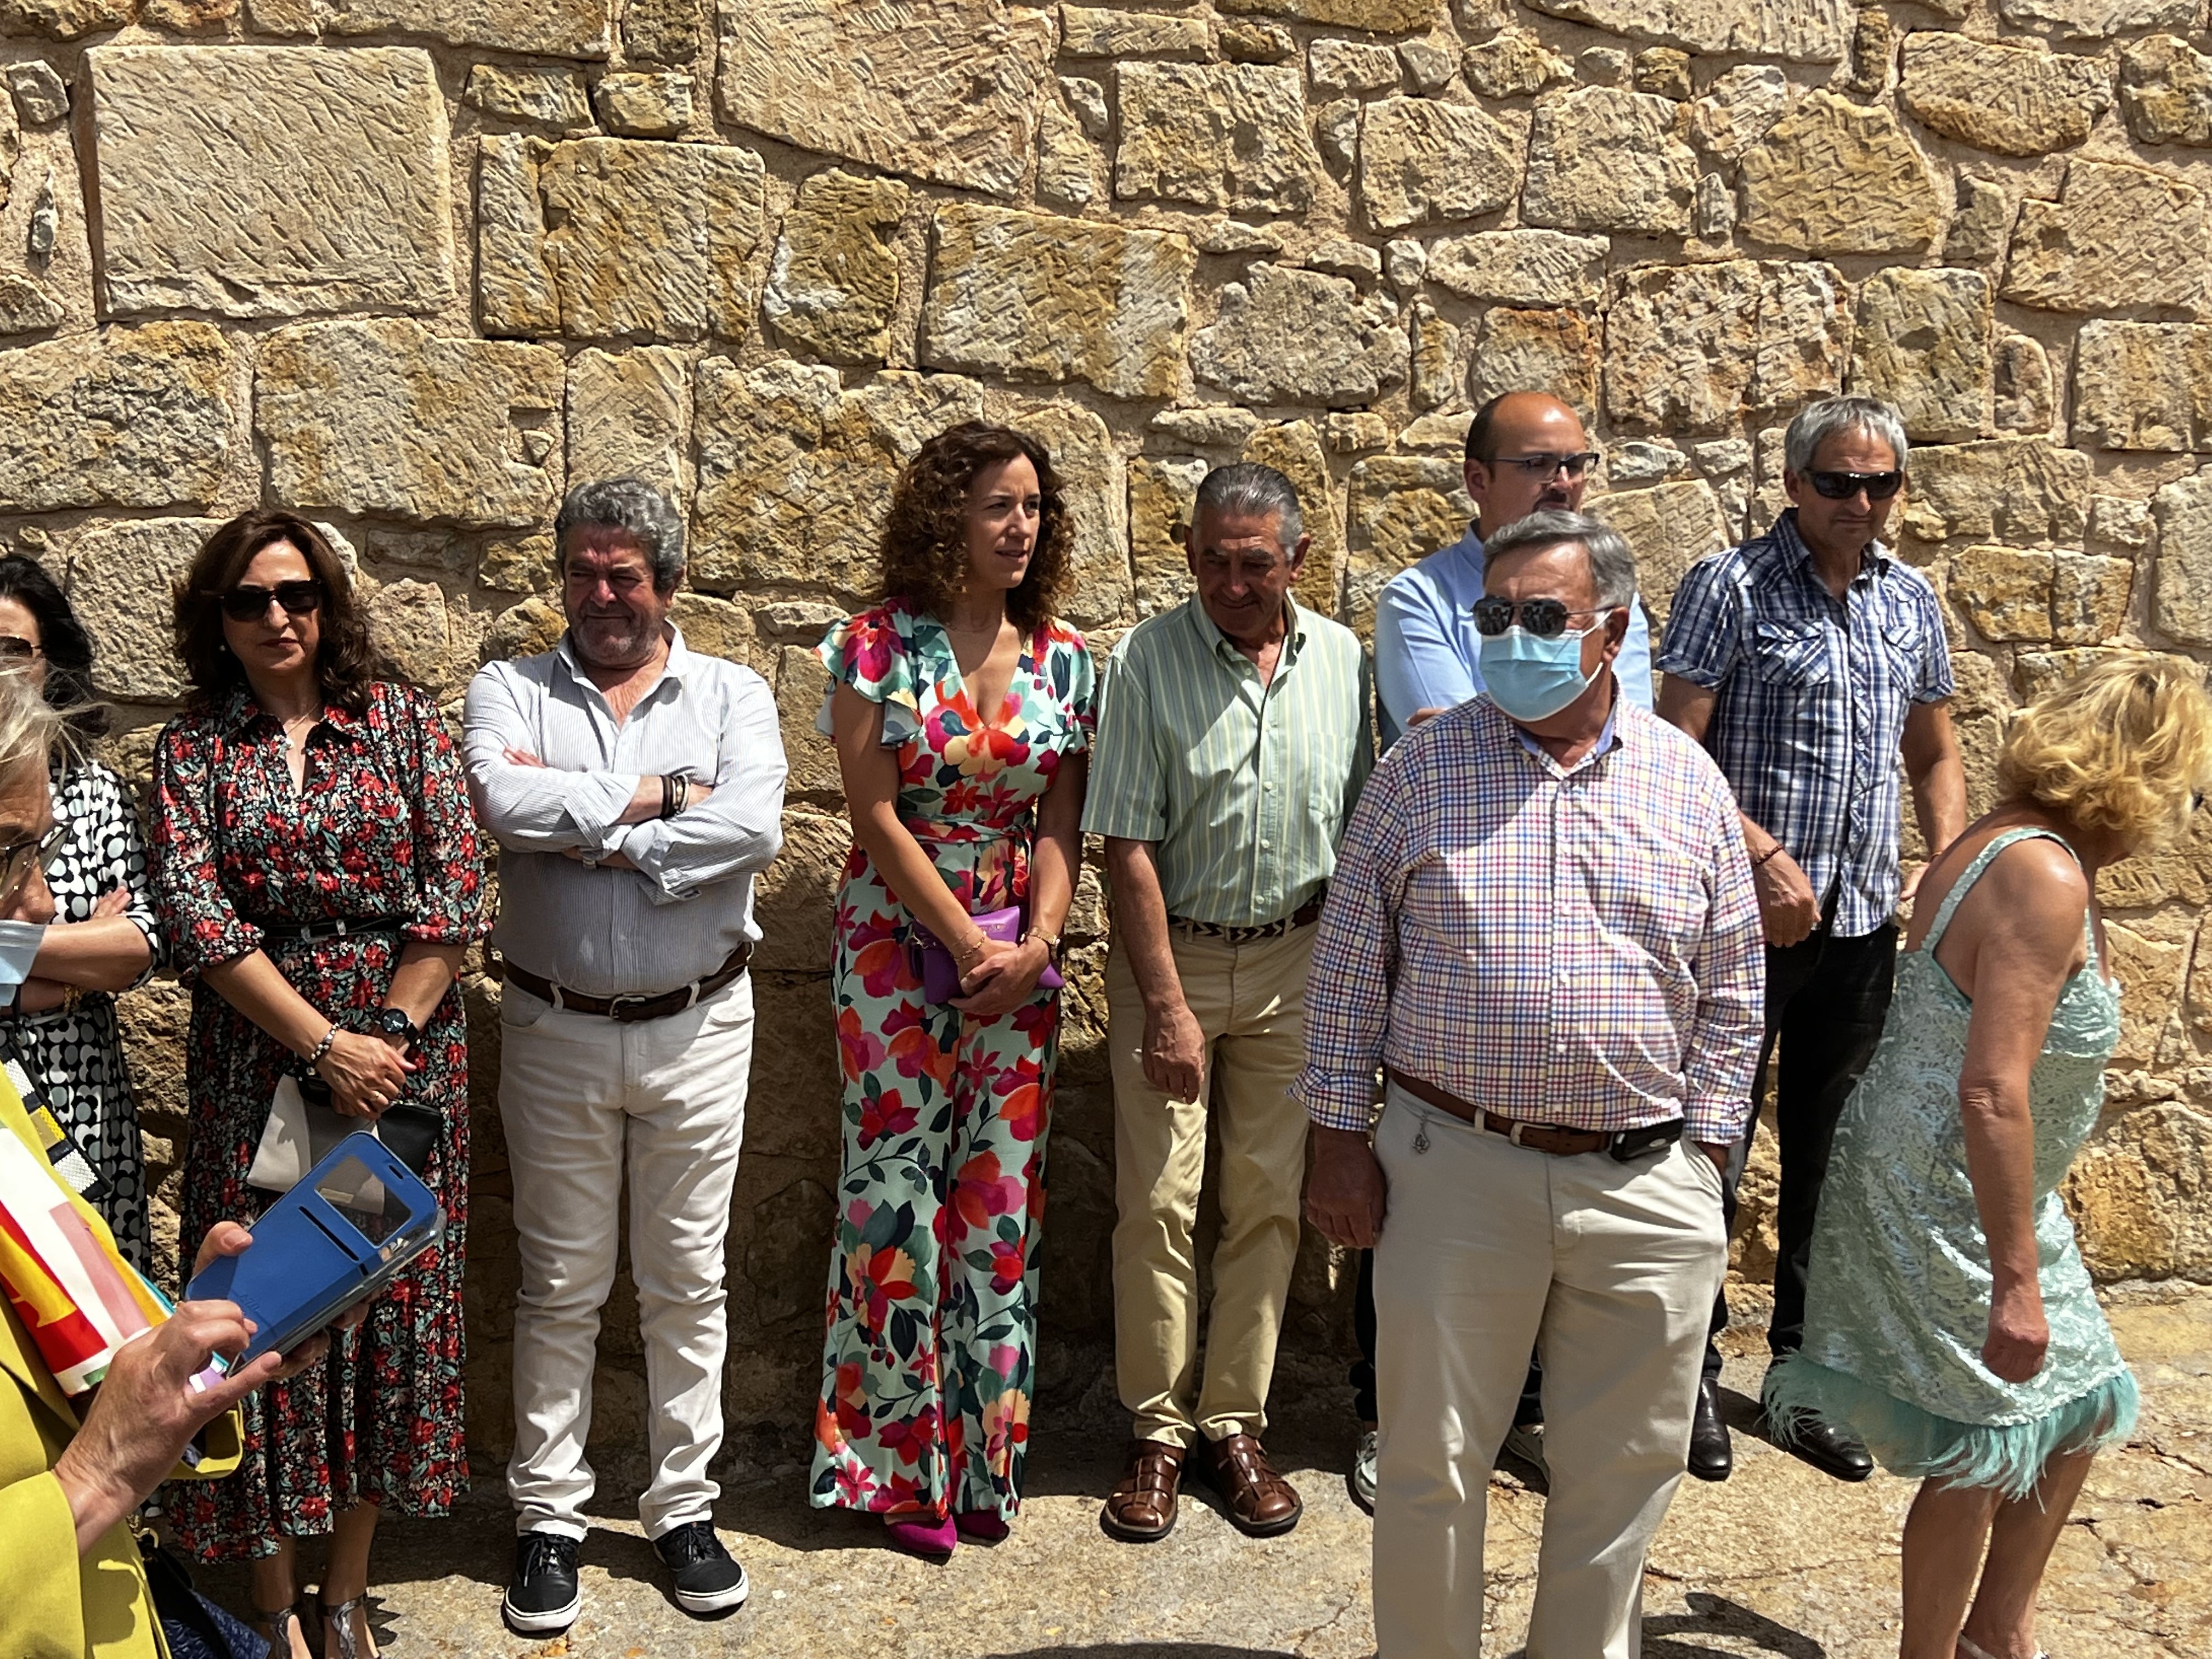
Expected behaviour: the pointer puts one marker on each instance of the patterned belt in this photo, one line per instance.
(1558, 1141)
(628, 1009)
(1304, 916)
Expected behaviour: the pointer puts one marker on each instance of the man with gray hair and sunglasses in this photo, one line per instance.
(635, 787)
(1806, 660)
(1542, 930)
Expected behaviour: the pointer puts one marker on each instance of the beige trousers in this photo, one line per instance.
(1609, 1268)
(1249, 1001)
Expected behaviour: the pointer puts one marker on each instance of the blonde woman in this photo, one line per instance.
(1949, 1321)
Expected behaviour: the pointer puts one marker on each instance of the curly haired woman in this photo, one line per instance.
(962, 713)
(1949, 1321)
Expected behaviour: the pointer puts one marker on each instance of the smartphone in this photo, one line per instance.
(349, 1226)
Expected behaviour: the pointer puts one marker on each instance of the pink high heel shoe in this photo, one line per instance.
(980, 1526)
(933, 1540)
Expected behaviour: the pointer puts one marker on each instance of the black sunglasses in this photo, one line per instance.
(251, 604)
(17, 857)
(15, 648)
(1545, 619)
(1842, 486)
(1548, 466)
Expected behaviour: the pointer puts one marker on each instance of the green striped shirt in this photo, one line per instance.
(1244, 787)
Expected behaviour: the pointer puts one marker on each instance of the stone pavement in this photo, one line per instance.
(1779, 1562)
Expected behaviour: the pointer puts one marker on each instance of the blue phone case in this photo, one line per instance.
(313, 1258)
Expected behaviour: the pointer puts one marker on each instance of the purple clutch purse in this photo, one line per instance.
(940, 978)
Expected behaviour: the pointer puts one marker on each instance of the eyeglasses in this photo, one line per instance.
(1545, 619)
(1548, 466)
(18, 856)
(1842, 486)
(15, 648)
(301, 598)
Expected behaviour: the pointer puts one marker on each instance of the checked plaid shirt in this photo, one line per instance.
(1813, 697)
(1577, 946)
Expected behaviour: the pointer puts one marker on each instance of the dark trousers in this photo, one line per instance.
(1826, 998)
(1531, 1409)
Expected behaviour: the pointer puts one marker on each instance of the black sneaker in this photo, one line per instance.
(543, 1597)
(708, 1577)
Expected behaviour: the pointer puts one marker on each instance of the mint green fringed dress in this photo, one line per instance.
(1897, 1295)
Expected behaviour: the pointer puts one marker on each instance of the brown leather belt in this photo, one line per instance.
(627, 1009)
(1304, 916)
(1537, 1137)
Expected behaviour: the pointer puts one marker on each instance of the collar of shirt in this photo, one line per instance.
(674, 670)
(241, 708)
(1607, 737)
(1225, 650)
(1873, 557)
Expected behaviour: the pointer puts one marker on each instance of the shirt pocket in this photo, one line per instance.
(1905, 642)
(1791, 656)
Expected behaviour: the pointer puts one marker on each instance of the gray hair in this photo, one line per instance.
(642, 511)
(31, 729)
(1613, 567)
(1255, 491)
(1822, 421)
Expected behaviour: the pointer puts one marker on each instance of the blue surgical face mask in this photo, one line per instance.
(1532, 678)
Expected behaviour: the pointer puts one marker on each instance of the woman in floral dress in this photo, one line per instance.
(962, 717)
(316, 869)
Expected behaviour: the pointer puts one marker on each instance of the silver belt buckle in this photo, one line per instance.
(1513, 1134)
(615, 1005)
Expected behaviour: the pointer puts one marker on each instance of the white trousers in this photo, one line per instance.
(580, 1096)
(1609, 1269)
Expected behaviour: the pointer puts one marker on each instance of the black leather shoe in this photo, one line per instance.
(1833, 1451)
(1712, 1457)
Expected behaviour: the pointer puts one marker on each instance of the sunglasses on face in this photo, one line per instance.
(1545, 619)
(16, 649)
(1548, 465)
(18, 857)
(1842, 486)
(251, 604)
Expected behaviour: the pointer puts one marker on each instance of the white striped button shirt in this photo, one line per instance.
(1577, 946)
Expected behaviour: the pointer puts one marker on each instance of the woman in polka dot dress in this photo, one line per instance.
(62, 1027)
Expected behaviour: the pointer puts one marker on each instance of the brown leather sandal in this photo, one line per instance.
(1260, 1503)
(1141, 1508)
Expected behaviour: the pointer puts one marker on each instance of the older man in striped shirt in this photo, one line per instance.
(1232, 742)
(1542, 929)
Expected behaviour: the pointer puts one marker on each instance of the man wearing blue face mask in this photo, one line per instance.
(1542, 927)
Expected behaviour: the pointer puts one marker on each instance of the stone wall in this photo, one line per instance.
(409, 265)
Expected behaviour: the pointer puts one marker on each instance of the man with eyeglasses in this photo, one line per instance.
(1542, 929)
(1806, 660)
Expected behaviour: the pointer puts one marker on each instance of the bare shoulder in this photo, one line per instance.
(2032, 897)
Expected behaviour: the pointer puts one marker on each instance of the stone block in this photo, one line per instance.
(834, 282)
(570, 264)
(119, 579)
(1873, 50)
(39, 94)
(2119, 521)
(2021, 395)
(1669, 527)
(1638, 462)
(1981, 224)
(1522, 267)
(2012, 100)
(2020, 491)
(1342, 256)
(1922, 343)
(2100, 19)
(1215, 426)
(1086, 101)
(1421, 160)
(1513, 64)
(552, 28)
(941, 91)
(2137, 1198)
(1031, 297)
(1355, 432)
(1217, 135)
(795, 472)
(2166, 91)
(1401, 509)
(1095, 485)
(1068, 172)
(1337, 66)
(2151, 971)
(1378, 17)
(640, 104)
(2181, 589)
(1098, 32)
(1434, 370)
(538, 93)
(2143, 385)
(2005, 591)
(1835, 177)
(1602, 66)
(1603, 158)
(1738, 108)
(662, 31)
(1253, 42)
(63, 20)
(1162, 493)
(1336, 133)
(1553, 351)
(2119, 238)
(383, 418)
(1690, 349)
(1294, 449)
(1428, 66)
(2089, 596)
(140, 417)
(28, 307)
(271, 182)
(1663, 70)
(1299, 337)
(1802, 31)
(629, 414)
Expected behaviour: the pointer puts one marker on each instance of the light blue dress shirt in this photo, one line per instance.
(1426, 650)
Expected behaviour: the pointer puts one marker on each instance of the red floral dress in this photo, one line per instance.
(382, 829)
(929, 1364)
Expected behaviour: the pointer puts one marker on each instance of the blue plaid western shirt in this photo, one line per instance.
(1813, 695)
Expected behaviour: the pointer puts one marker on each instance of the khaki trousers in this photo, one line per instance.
(1249, 1001)
(1609, 1268)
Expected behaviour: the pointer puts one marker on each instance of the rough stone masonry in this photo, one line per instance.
(409, 265)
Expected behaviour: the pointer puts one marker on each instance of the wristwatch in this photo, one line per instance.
(394, 1022)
